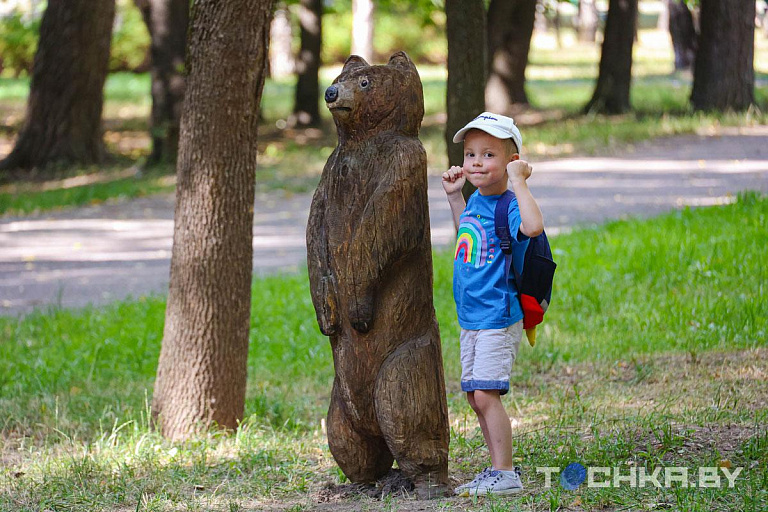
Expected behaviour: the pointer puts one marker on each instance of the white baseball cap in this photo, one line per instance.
(501, 127)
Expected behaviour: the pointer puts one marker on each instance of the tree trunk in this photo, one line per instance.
(63, 121)
(587, 21)
(201, 374)
(362, 29)
(167, 22)
(611, 94)
(683, 33)
(724, 74)
(662, 21)
(306, 110)
(465, 90)
(510, 27)
(557, 25)
(281, 63)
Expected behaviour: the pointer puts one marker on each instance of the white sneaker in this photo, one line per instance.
(463, 489)
(499, 483)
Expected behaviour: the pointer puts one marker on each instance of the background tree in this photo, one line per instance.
(201, 374)
(509, 31)
(611, 94)
(306, 110)
(724, 74)
(465, 90)
(587, 21)
(167, 22)
(63, 119)
(362, 29)
(281, 58)
(683, 33)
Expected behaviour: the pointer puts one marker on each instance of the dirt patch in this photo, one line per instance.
(718, 381)
(395, 484)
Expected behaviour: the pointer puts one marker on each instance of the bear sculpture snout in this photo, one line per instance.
(331, 94)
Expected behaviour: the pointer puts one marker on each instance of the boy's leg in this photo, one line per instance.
(480, 419)
(499, 436)
(495, 353)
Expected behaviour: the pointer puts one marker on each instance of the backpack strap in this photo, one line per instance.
(501, 221)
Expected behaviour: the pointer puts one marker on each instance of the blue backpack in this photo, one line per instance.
(534, 285)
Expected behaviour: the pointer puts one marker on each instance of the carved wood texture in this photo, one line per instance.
(370, 270)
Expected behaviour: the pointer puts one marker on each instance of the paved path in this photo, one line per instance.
(107, 252)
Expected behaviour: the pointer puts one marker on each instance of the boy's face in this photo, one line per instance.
(485, 161)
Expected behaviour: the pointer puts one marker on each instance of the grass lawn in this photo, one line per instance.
(653, 355)
(559, 83)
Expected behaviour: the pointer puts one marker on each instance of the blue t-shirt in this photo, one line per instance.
(484, 298)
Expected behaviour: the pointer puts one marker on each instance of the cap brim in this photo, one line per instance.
(499, 134)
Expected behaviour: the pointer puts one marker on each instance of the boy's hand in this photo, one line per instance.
(519, 170)
(453, 180)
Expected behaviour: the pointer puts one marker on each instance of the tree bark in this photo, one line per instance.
(306, 110)
(167, 22)
(63, 121)
(510, 27)
(683, 33)
(201, 373)
(587, 21)
(611, 94)
(362, 29)
(724, 74)
(465, 91)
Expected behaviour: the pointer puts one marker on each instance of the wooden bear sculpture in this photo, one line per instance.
(370, 271)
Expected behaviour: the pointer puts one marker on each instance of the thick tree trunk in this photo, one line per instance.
(683, 33)
(587, 21)
(63, 122)
(306, 110)
(611, 94)
(724, 74)
(362, 29)
(201, 374)
(510, 27)
(465, 28)
(167, 22)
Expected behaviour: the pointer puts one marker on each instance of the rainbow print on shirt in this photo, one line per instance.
(471, 242)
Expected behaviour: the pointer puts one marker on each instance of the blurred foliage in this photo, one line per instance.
(130, 39)
(424, 44)
(18, 41)
(418, 27)
(19, 32)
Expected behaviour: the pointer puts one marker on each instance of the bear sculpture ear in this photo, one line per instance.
(353, 62)
(401, 60)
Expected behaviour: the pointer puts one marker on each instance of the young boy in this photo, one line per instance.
(488, 308)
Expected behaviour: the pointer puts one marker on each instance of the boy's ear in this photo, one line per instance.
(514, 157)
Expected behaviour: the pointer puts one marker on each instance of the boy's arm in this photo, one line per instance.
(531, 220)
(453, 182)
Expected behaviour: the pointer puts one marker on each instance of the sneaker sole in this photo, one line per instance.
(483, 492)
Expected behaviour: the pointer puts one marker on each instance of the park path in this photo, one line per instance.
(102, 253)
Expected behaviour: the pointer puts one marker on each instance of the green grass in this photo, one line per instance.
(653, 354)
(27, 199)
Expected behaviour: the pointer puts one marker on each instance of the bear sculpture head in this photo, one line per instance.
(366, 100)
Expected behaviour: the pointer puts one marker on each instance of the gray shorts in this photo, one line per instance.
(487, 357)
